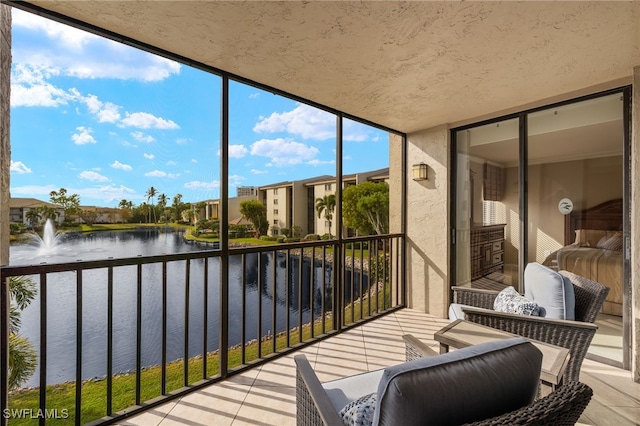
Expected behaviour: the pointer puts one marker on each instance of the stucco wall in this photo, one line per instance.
(5, 149)
(428, 222)
(635, 226)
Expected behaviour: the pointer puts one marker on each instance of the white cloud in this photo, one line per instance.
(93, 176)
(118, 165)
(149, 156)
(320, 162)
(354, 131)
(182, 141)
(19, 167)
(35, 190)
(284, 152)
(29, 87)
(81, 54)
(83, 136)
(171, 163)
(141, 137)
(258, 172)
(160, 173)
(255, 95)
(237, 151)
(107, 193)
(196, 184)
(304, 120)
(236, 180)
(144, 120)
(109, 114)
(313, 123)
(193, 160)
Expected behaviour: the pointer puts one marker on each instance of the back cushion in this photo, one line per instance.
(551, 291)
(467, 385)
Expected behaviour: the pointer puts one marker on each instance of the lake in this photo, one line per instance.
(61, 325)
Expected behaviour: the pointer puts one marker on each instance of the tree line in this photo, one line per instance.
(365, 208)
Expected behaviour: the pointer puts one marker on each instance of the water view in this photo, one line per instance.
(62, 296)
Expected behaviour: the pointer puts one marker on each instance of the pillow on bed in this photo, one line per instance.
(613, 243)
(590, 237)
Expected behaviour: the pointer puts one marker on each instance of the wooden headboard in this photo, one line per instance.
(606, 216)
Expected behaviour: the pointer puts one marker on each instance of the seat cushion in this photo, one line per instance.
(343, 391)
(466, 385)
(552, 291)
(455, 311)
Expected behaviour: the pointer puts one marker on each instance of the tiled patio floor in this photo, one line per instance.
(266, 394)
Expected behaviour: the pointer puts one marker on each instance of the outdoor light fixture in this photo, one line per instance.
(420, 171)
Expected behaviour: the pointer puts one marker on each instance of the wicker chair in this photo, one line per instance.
(564, 406)
(573, 335)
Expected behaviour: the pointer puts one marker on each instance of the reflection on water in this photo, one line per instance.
(62, 299)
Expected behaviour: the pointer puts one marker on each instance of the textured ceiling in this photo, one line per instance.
(405, 65)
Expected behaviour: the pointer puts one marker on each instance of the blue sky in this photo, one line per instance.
(107, 122)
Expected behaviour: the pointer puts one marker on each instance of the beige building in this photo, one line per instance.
(19, 207)
(327, 186)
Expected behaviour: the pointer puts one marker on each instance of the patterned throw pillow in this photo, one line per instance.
(510, 301)
(359, 412)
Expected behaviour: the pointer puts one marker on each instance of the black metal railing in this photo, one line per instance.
(147, 329)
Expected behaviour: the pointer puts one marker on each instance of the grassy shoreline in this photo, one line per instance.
(94, 391)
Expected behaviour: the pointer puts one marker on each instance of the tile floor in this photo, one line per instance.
(266, 394)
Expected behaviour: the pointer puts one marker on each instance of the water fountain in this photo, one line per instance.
(49, 241)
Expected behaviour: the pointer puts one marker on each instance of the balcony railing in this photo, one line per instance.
(118, 336)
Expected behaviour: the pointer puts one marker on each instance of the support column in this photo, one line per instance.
(635, 226)
(5, 165)
(428, 222)
(5, 148)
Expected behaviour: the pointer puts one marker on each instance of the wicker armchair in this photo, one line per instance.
(564, 406)
(573, 335)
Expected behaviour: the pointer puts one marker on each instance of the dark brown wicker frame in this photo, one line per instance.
(573, 335)
(564, 406)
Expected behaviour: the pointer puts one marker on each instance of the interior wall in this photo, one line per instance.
(586, 182)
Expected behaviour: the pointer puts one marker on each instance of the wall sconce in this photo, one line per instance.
(420, 171)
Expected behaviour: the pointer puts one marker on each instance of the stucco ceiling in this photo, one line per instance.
(405, 65)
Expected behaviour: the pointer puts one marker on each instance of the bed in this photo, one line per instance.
(593, 249)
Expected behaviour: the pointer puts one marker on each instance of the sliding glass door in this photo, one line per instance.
(487, 230)
(548, 185)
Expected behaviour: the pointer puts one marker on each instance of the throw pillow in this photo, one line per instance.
(552, 291)
(613, 243)
(359, 412)
(510, 301)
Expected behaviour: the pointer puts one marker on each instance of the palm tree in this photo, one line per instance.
(124, 204)
(326, 205)
(33, 216)
(22, 355)
(162, 200)
(151, 193)
(48, 212)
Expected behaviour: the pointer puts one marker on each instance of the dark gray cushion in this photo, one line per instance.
(466, 385)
